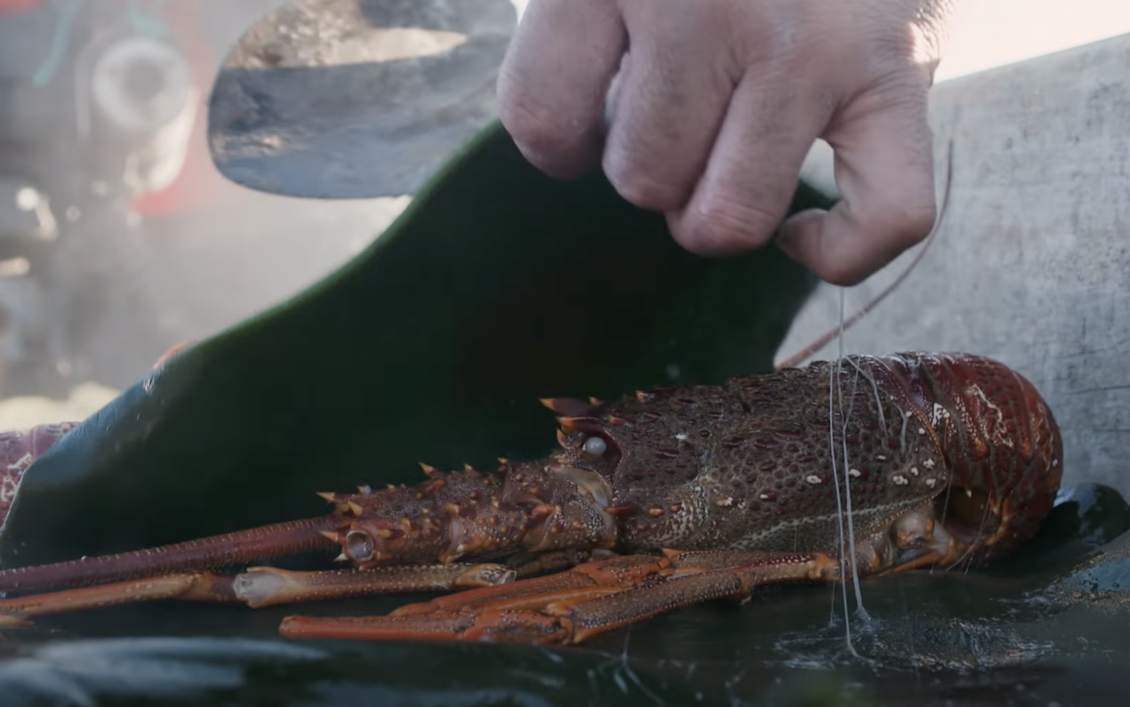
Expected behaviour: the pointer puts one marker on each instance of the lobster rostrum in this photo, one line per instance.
(661, 500)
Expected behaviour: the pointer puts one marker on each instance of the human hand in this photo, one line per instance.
(706, 109)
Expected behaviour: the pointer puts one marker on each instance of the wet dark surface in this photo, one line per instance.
(1047, 628)
(301, 400)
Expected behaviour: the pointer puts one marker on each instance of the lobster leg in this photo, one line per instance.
(257, 587)
(268, 586)
(577, 605)
(196, 586)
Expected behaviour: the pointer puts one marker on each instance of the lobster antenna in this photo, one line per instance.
(824, 339)
(214, 552)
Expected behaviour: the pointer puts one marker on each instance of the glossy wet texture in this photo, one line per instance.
(1041, 630)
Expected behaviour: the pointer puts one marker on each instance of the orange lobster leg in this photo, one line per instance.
(576, 605)
(257, 587)
(197, 586)
(268, 586)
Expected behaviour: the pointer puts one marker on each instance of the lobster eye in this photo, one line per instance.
(358, 546)
(595, 447)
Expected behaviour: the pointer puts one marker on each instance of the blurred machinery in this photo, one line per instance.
(102, 111)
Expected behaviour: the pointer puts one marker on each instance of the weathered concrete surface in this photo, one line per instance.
(1032, 262)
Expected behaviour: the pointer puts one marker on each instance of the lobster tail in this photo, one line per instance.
(999, 439)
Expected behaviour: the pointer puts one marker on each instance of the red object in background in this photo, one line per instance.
(15, 5)
(200, 185)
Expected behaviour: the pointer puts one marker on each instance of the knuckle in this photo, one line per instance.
(727, 225)
(529, 126)
(635, 183)
(552, 141)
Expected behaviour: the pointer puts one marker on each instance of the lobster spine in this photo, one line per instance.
(528, 508)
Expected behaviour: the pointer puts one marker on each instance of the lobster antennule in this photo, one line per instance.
(206, 553)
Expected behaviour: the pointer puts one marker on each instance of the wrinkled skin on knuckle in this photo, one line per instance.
(722, 225)
(638, 187)
(781, 32)
(865, 42)
(558, 144)
(895, 81)
(902, 33)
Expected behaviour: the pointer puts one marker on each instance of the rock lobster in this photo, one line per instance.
(661, 500)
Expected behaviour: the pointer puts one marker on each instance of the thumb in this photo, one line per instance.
(884, 169)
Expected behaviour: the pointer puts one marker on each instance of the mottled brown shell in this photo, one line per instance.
(749, 464)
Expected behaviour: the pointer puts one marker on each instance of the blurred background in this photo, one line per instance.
(120, 238)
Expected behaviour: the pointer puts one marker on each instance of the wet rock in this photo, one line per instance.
(1101, 581)
(948, 644)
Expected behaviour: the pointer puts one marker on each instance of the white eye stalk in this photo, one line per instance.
(359, 546)
(595, 447)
